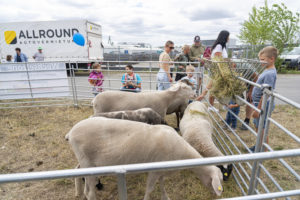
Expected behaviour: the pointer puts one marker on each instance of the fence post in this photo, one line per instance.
(72, 83)
(122, 190)
(108, 75)
(76, 94)
(150, 76)
(259, 138)
(198, 77)
(76, 65)
(119, 50)
(151, 53)
(29, 82)
(265, 135)
(202, 78)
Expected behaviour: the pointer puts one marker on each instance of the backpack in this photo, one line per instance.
(207, 53)
(133, 80)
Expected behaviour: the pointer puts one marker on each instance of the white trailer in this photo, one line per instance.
(54, 37)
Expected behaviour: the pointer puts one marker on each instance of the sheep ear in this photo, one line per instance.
(175, 87)
(217, 186)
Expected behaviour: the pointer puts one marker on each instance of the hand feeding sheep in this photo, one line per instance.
(196, 129)
(98, 141)
(159, 101)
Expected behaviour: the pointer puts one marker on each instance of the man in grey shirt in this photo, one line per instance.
(39, 56)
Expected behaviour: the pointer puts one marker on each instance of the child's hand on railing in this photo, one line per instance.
(255, 114)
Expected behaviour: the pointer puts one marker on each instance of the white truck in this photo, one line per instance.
(54, 37)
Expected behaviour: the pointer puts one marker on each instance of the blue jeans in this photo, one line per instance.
(130, 90)
(163, 82)
(231, 119)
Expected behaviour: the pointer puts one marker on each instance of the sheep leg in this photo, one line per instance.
(89, 189)
(151, 180)
(178, 119)
(79, 185)
(164, 195)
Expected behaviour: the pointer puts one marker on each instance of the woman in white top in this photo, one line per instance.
(218, 50)
(219, 47)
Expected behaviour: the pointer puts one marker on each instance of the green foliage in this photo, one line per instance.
(257, 30)
(276, 25)
(285, 27)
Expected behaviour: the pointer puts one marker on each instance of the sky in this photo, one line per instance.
(148, 21)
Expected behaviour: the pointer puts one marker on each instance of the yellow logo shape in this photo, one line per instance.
(10, 37)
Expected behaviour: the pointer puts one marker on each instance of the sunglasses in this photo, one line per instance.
(171, 47)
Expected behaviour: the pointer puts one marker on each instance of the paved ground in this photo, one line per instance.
(287, 85)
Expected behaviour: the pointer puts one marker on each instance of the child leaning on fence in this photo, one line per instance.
(131, 82)
(267, 55)
(96, 78)
(230, 118)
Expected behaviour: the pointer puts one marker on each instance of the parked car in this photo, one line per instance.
(292, 58)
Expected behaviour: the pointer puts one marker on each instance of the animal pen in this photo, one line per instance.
(47, 84)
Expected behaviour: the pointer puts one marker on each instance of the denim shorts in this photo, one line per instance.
(163, 82)
(256, 120)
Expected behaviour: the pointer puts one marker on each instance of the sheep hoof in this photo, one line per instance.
(99, 186)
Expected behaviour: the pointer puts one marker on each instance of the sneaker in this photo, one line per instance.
(252, 149)
(243, 127)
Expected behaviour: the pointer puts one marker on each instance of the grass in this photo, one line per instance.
(278, 140)
(288, 71)
(32, 139)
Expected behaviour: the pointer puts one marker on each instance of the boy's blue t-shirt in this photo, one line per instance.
(192, 80)
(269, 77)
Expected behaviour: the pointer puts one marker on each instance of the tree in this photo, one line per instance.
(276, 25)
(285, 27)
(256, 31)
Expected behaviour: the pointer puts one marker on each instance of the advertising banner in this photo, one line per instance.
(33, 80)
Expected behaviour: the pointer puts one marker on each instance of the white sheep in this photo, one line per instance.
(196, 128)
(159, 101)
(179, 105)
(146, 115)
(100, 141)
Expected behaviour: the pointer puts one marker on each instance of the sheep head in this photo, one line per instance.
(211, 179)
(183, 89)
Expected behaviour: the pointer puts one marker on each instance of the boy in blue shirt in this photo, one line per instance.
(269, 76)
(131, 82)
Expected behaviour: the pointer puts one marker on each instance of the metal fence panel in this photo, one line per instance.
(81, 95)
